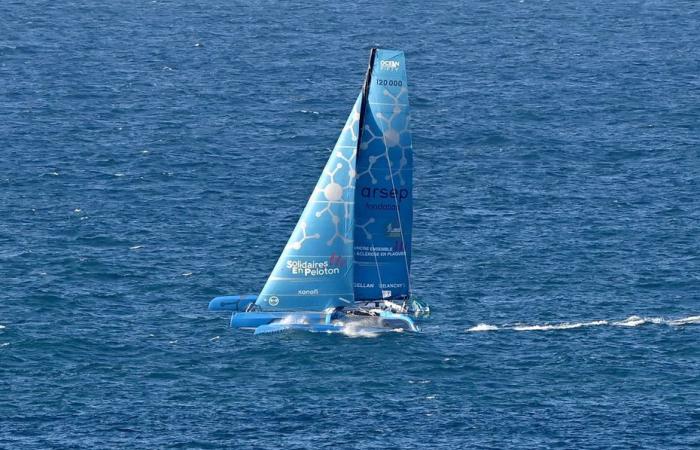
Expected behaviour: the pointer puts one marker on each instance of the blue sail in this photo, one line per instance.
(315, 270)
(383, 189)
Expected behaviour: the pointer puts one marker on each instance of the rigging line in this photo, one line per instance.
(379, 272)
(398, 215)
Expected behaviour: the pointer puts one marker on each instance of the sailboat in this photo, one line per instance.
(347, 264)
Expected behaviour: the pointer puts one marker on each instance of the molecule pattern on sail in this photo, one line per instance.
(333, 198)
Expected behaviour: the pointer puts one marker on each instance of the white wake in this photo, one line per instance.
(559, 326)
(483, 327)
(631, 321)
(359, 328)
(685, 321)
(294, 319)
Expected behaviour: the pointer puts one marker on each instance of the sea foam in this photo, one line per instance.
(635, 321)
(631, 322)
(685, 321)
(355, 332)
(559, 326)
(294, 319)
(483, 327)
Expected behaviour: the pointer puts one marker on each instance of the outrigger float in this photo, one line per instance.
(346, 266)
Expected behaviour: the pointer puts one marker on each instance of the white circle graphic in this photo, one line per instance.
(333, 192)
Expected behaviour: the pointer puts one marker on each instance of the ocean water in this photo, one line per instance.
(154, 154)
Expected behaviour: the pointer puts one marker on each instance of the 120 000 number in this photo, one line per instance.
(389, 82)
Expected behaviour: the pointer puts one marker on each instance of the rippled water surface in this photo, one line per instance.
(155, 154)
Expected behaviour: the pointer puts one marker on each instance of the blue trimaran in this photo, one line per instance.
(346, 266)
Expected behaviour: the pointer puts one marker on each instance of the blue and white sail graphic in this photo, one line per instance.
(315, 270)
(383, 190)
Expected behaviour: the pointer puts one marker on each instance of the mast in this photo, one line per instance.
(365, 94)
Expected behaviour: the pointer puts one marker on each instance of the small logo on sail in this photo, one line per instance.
(392, 231)
(337, 260)
(389, 64)
(386, 294)
(273, 301)
(307, 291)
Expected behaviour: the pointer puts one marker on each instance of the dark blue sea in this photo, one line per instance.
(155, 154)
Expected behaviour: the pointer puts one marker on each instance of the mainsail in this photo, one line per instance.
(315, 270)
(383, 190)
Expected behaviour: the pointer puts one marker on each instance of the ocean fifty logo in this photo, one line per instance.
(311, 268)
(389, 64)
(273, 301)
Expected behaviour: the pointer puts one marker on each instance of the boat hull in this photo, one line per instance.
(236, 303)
(322, 322)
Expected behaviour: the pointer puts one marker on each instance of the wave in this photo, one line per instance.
(293, 319)
(559, 326)
(631, 321)
(635, 321)
(685, 321)
(364, 328)
(358, 329)
(483, 327)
